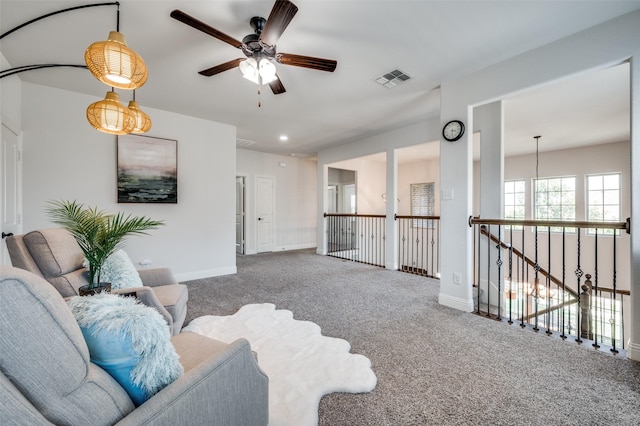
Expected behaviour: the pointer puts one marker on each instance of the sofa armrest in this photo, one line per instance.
(157, 276)
(222, 384)
(149, 298)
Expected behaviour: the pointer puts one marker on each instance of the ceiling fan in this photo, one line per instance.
(260, 47)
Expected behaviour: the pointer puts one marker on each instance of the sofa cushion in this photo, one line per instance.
(46, 358)
(131, 341)
(54, 250)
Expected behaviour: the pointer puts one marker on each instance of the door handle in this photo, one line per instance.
(259, 218)
(10, 234)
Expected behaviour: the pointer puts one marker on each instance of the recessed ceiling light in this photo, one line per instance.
(284, 138)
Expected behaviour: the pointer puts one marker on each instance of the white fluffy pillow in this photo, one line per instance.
(119, 270)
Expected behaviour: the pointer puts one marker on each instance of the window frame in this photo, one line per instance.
(534, 203)
(587, 204)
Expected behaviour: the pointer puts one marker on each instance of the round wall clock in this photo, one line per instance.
(453, 130)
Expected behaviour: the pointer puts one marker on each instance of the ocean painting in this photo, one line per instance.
(147, 170)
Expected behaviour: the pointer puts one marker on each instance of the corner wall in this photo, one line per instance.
(65, 158)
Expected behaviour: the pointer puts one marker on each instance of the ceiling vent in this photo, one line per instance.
(392, 79)
(243, 143)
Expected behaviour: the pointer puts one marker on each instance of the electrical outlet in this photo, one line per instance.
(457, 278)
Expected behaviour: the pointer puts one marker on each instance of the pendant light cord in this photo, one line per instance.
(3, 35)
(537, 138)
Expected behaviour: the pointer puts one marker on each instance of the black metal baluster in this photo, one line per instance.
(499, 263)
(525, 298)
(614, 297)
(479, 227)
(564, 293)
(488, 270)
(536, 281)
(548, 282)
(593, 326)
(578, 273)
(510, 274)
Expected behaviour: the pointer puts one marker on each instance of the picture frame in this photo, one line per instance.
(147, 169)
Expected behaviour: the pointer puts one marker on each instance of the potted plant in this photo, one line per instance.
(98, 233)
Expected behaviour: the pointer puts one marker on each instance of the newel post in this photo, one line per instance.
(585, 309)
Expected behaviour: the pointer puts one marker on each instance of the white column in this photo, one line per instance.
(323, 202)
(391, 241)
(456, 177)
(489, 121)
(633, 349)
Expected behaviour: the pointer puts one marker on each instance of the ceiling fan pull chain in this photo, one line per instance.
(259, 85)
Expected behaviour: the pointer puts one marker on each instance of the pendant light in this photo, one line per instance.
(142, 121)
(111, 116)
(114, 63)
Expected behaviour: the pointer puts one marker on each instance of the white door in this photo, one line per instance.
(264, 214)
(10, 187)
(240, 214)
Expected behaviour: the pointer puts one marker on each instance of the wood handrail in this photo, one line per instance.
(354, 215)
(553, 223)
(416, 217)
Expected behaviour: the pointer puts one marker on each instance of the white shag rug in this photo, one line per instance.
(302, 364)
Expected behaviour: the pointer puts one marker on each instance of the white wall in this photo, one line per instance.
(370, 184)
(65, 158)
(296, 207)
(417, 172)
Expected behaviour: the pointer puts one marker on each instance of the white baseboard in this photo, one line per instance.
(196, 275)
(284, 248)
(465, 305)
(295, 247)
(633, 351)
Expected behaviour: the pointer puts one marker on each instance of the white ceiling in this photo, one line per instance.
(432, 41)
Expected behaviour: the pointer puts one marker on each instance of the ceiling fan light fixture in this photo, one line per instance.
(110, 116)
(142, 121)
(264, 73)
(115, 64)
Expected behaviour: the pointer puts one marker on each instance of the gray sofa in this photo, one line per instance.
(56, 256)
(46, 376)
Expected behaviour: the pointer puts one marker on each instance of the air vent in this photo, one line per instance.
(243, 143)
(392, 79)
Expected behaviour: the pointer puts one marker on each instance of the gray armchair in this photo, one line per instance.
(46, 376)
(54, 255)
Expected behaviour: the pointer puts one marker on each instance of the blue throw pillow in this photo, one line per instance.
(130, 341)
(113, 351)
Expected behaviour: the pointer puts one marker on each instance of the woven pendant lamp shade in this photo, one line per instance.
(110, 116)
(114, 64)
(142, 120)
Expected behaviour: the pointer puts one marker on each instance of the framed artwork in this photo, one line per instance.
(147, 170)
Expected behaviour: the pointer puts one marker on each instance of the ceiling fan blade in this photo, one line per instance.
(205, 28)
(221, 68)
(307, 62)
(282, 13)
(276, 86)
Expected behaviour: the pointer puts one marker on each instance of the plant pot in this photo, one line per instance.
(102, 287)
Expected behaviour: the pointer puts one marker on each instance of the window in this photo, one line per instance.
(514, 197)
(555, 199)
(422, 203)
(603, 200)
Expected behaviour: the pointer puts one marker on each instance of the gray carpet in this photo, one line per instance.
(434, 365)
